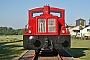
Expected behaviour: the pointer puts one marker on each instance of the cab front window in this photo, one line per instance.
(41, 25)
(51, 25)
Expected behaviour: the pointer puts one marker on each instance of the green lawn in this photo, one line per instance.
(10, 37)
(80, 49)
(8, 50)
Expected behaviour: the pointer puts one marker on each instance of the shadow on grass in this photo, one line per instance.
(78, 52)
(2, 43)
(7, 52)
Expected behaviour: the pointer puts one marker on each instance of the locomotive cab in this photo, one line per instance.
(46, 30)
(46, 25)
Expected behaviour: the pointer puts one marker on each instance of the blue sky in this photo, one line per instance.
(13, 13)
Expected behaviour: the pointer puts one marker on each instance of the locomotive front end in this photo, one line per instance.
(46, 30)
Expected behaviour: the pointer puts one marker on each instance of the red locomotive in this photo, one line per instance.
(46, 30)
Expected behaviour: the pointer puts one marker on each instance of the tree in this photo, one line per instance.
(81, 27)
(10, 31)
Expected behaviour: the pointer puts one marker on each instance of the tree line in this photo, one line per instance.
(11, 31)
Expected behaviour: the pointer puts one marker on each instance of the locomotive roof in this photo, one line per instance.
(50, 6)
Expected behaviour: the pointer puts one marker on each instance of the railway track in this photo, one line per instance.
(46, 55)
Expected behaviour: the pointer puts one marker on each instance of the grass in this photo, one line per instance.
(9, 50)
(4, 38)
(80, 49)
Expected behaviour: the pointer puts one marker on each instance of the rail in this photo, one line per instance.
(46, 55)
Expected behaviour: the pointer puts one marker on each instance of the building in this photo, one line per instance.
(72, 30)
(85, 31)
(79, 21)
(76, 31)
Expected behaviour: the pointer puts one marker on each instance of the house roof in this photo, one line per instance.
(75, 28)
(81, 19)
(87, 27)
